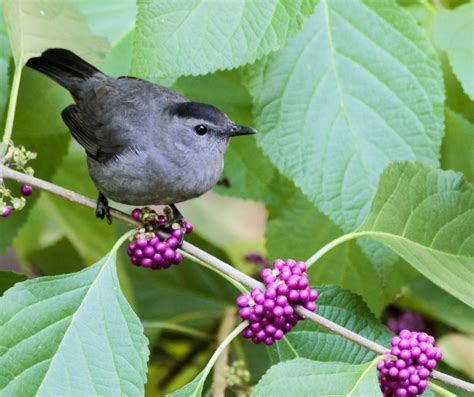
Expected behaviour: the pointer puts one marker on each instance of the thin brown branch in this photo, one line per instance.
(237, 275)
(219, 383)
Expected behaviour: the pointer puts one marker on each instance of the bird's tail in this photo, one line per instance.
(65, 68)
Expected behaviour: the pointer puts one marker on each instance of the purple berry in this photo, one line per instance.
(6, 211)
(188, 226)
(311, 306)
(259, 310)
(270, 293)
(149, 252)
(278, 334)
(169, 254)
(141, 242)
(137, 214)
(178, 258)
(147, 262)
(278, 264)
(177, 233)
(269, 304)
(245, 313)
(278, 311)
(138, 253)
(172, 242)
(154, 241)
(26, 190)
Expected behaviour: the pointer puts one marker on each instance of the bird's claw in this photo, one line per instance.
(102, 209)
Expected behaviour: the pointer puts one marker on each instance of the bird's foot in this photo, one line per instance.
(102, 209)
(224, 182)
(174, 217)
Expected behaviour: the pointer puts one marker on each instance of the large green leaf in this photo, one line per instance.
(303, 378)
(52, 24)
(308, 340)
(346, 266)
(453, 32)
(427, 217)
(246, 168)
(458, 145)
(71, 335)
(359, 87)
(212, 34)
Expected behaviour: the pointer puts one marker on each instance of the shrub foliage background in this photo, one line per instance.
(361, 107)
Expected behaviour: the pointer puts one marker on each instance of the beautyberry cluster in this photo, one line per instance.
(270, 312)
(416, 358)
(16, 157)
(148, 249)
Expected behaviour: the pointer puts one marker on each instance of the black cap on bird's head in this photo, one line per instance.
(208, 118)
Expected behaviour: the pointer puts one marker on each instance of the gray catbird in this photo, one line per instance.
(145, 143)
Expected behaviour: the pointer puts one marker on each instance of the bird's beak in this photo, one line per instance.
(241, 130)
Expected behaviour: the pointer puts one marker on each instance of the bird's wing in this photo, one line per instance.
(103, 121)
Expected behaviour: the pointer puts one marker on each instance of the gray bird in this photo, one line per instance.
(145, 144)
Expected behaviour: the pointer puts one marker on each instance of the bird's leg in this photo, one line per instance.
(102, 210)
(175, 217)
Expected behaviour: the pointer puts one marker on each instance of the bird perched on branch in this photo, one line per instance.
(145, 144)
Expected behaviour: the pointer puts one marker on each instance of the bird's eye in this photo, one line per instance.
(200, 129)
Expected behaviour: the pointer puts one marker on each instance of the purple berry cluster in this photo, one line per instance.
(407, 320)
(416, 358)
(5, 210)
(270, 312)
(147, 249)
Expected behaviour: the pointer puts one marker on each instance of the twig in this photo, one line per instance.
(237, 275)
(219, 383)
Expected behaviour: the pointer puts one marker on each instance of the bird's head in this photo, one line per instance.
(199, 126)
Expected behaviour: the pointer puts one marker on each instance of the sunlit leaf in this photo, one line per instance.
(213, 34)
(71, 334)
(427, 217)
(359, 87)
(34, 26)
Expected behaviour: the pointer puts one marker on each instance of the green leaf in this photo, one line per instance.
(425, 297)
(302, 377)
(359, 87)
(346, 265)
(427, 217)
(458, 145)
(453, 32)
(213, 35)
(8, 279)
(56, 330)
(53, 24)
(310, 341)
(246, 168)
